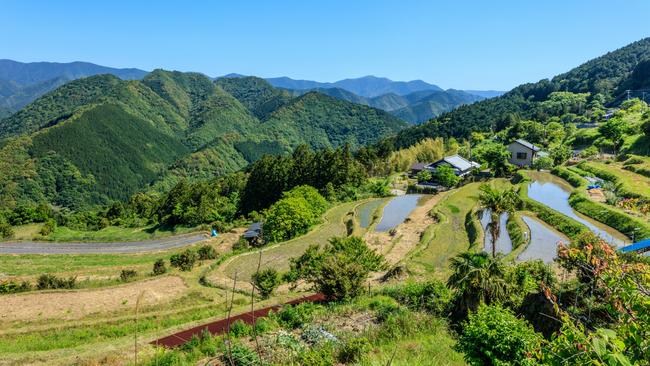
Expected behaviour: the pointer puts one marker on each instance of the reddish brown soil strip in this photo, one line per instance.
(221, 326)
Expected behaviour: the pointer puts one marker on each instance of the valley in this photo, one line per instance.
(496, 232)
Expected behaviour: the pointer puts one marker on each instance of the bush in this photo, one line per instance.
(206, 252)
(288, 218)
(495, 336)
(293, 317)
(184, 261)
(159, 267)
(266, 281)
(339, 270)
(127, 274)
(6, 231)
(432, 296)
(11, 287)
(48, 227)
(323, 356)
(543, 163)
(353, 350)
(241, 356)
(241, 244)
(48, 281)
(446, 176)
(240, 329)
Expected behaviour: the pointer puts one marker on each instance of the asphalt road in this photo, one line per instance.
(38, 247)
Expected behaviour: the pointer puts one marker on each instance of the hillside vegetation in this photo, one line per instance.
(105, 138)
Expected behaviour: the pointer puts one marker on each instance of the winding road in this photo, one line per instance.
(37, 247)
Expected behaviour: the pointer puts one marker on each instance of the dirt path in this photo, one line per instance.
(407, 234)
(36, 247)
(77, 304)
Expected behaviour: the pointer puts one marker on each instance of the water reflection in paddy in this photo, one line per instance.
(397, 210)
(546, 190)
(543, 241)
(504, 244)
(366, 210)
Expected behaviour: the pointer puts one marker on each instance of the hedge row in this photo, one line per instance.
(515, 231)
(564, 224)
(621, 189)
(573, 178)
(609, 216)
(638, 170)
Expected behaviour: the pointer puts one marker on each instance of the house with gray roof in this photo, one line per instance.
(523, 153)
(460, 165)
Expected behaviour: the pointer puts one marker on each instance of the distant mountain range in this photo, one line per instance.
(414, 101)
(21, 83)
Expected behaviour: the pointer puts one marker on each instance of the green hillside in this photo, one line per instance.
(603, 75)
(99, 139)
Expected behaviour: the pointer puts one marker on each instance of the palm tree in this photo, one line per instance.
(478, 278)
(497, 202)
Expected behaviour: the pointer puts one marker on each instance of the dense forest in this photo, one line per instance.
(102, 138)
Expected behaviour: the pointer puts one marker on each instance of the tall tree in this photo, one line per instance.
(497, 202)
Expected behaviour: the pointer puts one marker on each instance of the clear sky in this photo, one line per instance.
(486, 44)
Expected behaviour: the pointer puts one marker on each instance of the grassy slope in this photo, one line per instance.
(633, 182)
(448, 238)
(278, 255)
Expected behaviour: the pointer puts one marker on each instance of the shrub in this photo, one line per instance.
(322, 356)
(495, 336)
(543, 163)
(48, 227)
(353, 350)
(266, 281)
(432, 296)
(263, 325)
(340, 269)
(11, 287)
(589, 152)
(240, 329)
(241, 244)
(241, 356)
(184, 261)
(206, 252)
(127, 274)
(159, 267)
(446, 176)
(295, 316)
(6, 231)
(48, 281)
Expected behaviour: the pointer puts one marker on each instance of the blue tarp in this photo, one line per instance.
(642, 245)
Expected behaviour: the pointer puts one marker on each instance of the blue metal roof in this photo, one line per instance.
(642, 245)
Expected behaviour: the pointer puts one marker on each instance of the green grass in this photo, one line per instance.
(423, 349)
(631, 181)
(114, 233)
(277, 256)
(448, 238)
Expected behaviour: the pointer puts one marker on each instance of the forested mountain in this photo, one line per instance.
(101, 138)
(606, 76)
(21, 83)
(367, 86)
(414, 107)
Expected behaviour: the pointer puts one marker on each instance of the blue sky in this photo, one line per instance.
(459, 44)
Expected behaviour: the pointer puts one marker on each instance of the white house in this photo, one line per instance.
(523, 153)
(460, 165)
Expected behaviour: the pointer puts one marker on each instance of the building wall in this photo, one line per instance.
(516, 148)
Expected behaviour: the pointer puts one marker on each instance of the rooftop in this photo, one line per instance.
(459, 162)
(527, 144)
